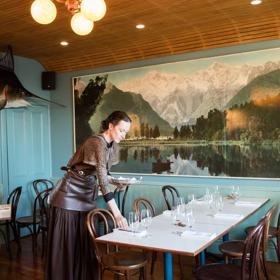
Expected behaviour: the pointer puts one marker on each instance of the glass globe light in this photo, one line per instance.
(93, 9)
(81, 25)
(43, 11)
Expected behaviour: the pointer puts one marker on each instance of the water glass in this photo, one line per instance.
(146, 218)
(190, 220)
(133, 220)
(235, 192)
(219, 203)
(191, 198)
(175, 214)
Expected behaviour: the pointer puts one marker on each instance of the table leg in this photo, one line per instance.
(167, 266)
(202, 258)
(226, 237)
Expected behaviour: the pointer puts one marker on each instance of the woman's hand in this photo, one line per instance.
(121, 222)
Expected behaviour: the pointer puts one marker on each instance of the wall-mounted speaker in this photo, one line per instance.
(48, 80)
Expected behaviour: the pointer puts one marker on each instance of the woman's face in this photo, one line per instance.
(119, 131)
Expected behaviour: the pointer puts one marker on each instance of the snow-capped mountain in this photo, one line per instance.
(180, 98)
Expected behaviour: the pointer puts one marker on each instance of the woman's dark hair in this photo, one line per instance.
(114, 118)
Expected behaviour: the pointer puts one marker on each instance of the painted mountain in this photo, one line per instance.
(138, 109)
(181, 99)
(263, 87)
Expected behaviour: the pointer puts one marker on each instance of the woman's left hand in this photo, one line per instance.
(121, 222)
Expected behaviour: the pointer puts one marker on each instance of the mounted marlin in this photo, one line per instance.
(12, 92)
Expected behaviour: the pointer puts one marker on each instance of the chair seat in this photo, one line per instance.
(126, 260)
(219, 272)
(28, 220)
(232, 248)
(272, 231)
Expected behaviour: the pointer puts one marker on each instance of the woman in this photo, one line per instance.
(70, 256)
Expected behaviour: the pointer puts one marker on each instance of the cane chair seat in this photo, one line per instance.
(124, 260)
(233, 248)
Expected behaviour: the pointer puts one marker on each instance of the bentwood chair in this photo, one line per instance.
(13, 199)
(123, 263)
(170, 195)
(249, 262)
(234, 249)
(28, 221)
(273, 234)
(41, 208)
(138, 205)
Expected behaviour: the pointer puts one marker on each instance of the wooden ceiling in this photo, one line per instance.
(172, 27)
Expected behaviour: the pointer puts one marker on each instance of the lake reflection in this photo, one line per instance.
(204, 160)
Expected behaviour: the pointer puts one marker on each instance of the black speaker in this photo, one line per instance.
(48, 80)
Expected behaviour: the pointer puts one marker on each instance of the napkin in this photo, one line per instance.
(139, 233)
(246, 203)
(198, 234)
(228, 216)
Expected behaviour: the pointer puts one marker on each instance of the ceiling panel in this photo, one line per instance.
(172, 27)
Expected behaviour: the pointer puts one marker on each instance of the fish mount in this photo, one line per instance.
(12, 93)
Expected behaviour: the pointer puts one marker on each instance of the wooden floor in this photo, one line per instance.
(26, 266)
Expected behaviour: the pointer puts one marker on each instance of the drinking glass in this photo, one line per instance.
(235, 192)
(146, 218)
(133, 220)
(190, 218)
(191, 198)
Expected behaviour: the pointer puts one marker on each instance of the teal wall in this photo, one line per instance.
(25, 143)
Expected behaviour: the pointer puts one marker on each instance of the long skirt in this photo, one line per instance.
(69, 253)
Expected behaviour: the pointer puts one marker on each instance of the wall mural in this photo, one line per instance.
(218, 116)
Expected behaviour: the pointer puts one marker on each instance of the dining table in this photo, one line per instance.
(172, 235)
(5, 211)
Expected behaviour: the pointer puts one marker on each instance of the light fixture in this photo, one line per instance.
(64, 43)
(84, 12)
(256, 2)
(140, 26)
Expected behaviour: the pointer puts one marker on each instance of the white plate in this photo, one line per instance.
(125, 181)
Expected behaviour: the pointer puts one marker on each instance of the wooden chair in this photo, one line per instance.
(41, 208)
(273, 233)
(13, 199)
(249, 262)
(121, 263)
(138, 205)
(234, 249)
(28, 221)
(170, 195)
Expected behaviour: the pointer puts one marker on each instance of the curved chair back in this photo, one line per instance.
(143, 203)
(94, 219)
(251, 254)
(13, 199)
(41, 204)
(42, 184)
(170, 192)
(268, 217)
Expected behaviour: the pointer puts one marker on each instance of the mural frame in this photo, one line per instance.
(123, 72)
